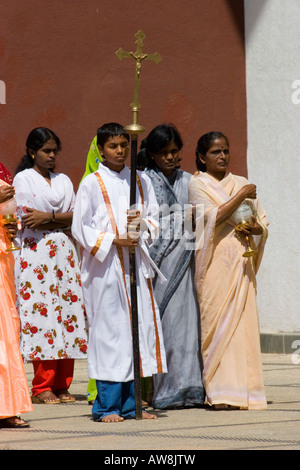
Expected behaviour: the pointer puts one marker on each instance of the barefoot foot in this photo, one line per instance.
(112, 419)
(146, 415)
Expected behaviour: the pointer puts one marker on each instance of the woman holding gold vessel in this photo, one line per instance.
(14, 392)
(226, 280)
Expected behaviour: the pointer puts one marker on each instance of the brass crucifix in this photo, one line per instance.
(134, 129)
(138, 55)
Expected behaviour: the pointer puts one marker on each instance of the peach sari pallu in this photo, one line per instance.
(226, 289)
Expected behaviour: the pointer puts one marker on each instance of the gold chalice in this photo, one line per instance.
(243, 216)
(7, 210)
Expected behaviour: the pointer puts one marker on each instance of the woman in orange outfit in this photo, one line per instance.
(14, 392)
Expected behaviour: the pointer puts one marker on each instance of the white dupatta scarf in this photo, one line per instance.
(32, 190)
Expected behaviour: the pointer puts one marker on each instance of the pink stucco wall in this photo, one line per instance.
(57, 59)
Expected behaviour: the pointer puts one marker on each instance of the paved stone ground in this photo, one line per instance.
(70, 427)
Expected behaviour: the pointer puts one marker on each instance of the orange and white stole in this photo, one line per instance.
(120, 253)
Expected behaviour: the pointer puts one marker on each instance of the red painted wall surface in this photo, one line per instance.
(58, 62)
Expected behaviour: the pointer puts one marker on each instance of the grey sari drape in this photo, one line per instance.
(173, 253)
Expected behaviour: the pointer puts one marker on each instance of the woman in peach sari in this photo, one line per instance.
(225, 280)
(14, 392)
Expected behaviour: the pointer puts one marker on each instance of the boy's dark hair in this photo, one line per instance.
(111, 129)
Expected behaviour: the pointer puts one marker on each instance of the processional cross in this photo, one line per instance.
(139, 56)
(134, 129)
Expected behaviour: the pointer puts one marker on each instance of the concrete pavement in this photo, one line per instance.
(70, 427)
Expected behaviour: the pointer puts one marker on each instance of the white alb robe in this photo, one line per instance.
(101, 202)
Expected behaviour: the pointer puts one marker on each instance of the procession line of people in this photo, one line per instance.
(196, 292)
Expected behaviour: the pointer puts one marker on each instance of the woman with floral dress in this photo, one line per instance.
(50, 302)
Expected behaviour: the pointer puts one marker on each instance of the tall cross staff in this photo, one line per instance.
(134, 130)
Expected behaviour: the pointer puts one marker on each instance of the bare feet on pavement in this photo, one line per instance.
(117, 419)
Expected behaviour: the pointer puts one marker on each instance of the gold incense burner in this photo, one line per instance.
(8, 217)
(243, 216)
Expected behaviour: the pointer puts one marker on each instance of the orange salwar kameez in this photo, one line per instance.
(14, 392)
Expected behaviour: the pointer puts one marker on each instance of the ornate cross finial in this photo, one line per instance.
(139, 56)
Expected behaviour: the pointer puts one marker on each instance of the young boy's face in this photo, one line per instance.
(115, 152)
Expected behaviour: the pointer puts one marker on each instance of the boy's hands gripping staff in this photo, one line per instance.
(132, 236)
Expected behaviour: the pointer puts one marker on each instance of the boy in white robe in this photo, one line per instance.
(100, 219)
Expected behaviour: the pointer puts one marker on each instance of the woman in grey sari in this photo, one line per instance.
(173, 253)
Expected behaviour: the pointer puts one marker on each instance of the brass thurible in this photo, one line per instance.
(9, 219)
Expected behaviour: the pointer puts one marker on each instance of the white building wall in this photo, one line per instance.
(272, 37)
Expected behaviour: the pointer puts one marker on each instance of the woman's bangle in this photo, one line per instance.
(53, 215)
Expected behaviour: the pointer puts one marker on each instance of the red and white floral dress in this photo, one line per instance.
(49, 295)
